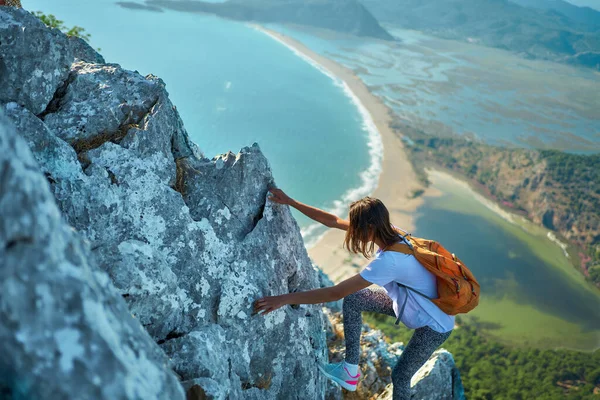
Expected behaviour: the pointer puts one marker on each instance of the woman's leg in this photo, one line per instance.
(420, 347)
(354, 304)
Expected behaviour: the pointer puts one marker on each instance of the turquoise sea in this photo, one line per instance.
(233, 86)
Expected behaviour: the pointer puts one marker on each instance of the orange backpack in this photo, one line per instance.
(458, 290)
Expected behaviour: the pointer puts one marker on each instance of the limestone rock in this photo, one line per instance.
(57, 160)
(65, 333)
(179, 278)
(438, 379)
(101, 99)
(82, 51)
(237, 209)
(34, 60)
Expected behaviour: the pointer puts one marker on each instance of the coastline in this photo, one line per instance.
(397, 179)
(395, 186)
(394, 190)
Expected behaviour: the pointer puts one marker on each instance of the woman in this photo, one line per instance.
(369, 225)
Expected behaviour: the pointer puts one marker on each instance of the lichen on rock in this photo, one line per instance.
(34, 60)
(64, 330)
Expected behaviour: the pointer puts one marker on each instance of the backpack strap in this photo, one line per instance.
(400, 248)
(404, 248)
(403, 306)
(404, 237)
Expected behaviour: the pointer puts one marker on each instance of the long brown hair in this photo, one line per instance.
(368, 216)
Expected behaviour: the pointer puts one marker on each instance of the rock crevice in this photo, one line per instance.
(55, 103)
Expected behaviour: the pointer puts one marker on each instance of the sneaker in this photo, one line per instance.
(339, 374)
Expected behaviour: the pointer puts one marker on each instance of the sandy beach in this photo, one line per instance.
(396, 182)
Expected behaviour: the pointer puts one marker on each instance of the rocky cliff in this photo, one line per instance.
(130, 261)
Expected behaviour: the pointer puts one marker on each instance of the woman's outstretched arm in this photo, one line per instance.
(325, 295)
(325, 218)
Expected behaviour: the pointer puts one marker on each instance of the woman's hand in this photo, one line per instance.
(268, 304)
(278, 196)
(323, 217)
(316, 296)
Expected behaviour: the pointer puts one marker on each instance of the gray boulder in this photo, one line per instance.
(438, 379)
(34, 60)
(65, 332)
(82, 51)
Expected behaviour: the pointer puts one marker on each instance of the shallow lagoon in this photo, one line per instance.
(531, 293)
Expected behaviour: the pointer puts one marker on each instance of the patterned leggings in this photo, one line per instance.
(420, 347)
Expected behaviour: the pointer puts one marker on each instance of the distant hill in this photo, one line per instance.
(595, 4)
(532, 32)
(586, 17)
(347, 16)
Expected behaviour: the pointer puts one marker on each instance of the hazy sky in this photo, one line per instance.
(590, 3)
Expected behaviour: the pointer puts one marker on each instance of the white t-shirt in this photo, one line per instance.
(390, 267)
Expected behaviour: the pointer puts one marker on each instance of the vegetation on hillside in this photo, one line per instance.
(577, 178)
(490, 370)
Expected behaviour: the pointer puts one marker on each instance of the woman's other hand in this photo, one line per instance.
(326, 218)
(278, 196)
(268, 304)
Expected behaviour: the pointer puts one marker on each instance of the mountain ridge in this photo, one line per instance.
(531, 32)
(347, 16)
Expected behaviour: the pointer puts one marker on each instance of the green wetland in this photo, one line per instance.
(531, 294)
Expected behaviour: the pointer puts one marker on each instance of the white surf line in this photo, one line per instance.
(560, 244)
(369, 177)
